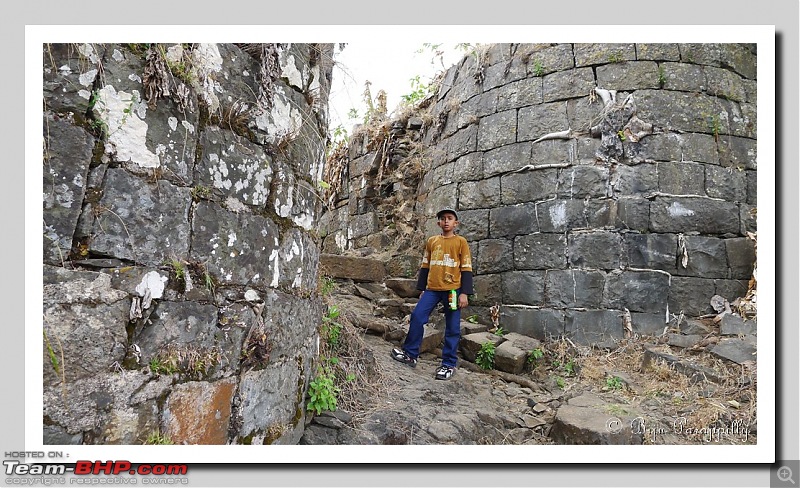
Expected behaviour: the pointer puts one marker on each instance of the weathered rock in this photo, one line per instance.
(270, 405)
(68, 153)
(107, 408)
(84, 324)
(587, 419)
(199, 412)
(352, 267)
(599, 250)
(594, 327)
(693, 214)
(404, 287)
(736, 350)
(705, 257)
(471, 344)
(732, 324)
(680, 340)
(510, 358)
(638, 291)
(538, 323)
(697, 373)
(572, 288)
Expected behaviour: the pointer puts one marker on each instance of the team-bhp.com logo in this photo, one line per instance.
(88, 468)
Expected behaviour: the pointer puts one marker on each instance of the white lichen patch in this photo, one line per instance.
(117, 56)
(285, 209)
(87, 78)
(188, 126)
(341, 241)
(298, 278)
(234, 205)
(173, 123)
(126, 128)
(304, 220)
(174, 53)
(154, 282)
(282, 122)
(251, 296)
(275, 271)
(206, 63)
(88, 51)
(289, 69)
(231, 238)
(678, 210)
(219, 172)
(256, 177)
(558, 214)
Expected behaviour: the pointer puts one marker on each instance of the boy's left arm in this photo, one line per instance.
(466, 289)
(466, 279)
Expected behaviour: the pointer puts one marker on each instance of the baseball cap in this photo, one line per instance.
(446, 210)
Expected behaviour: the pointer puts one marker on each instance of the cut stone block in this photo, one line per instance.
(509, 358)
(471, 344)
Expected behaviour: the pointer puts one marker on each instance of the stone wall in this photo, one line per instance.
(591, 180)
(180, 263)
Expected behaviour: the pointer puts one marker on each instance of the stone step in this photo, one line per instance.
(352, 267)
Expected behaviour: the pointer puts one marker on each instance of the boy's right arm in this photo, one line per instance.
(422, 279)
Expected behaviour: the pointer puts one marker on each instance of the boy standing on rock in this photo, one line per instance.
(444, 277)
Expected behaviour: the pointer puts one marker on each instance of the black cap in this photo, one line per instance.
(446, 210)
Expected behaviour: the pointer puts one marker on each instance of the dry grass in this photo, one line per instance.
(361, 382)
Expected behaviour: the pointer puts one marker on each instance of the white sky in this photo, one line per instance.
(388, 66)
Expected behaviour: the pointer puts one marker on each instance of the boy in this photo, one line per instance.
(446, 266)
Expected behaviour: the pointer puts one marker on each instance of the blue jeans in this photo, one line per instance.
(419, 317)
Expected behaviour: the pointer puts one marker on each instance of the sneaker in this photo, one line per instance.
(444, 372)
(400, 355)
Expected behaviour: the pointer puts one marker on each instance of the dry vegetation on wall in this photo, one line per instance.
(660, 389)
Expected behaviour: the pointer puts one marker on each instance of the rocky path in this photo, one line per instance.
(644, 392)
(415, 408)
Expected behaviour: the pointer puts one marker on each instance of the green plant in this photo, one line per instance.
(615, 57)
(201, 192)
(535, 355)
(418, 93)
(485, 356)
(538, 68)
(160, 365)
(331, 330)
(616, 409)
(569, 367)
(500, 332)
(322, 392)
(51, 353)
(178, 269)
(662, 77)
(560, 382)
(327, 284)
(472, 319)
(714, 125)
(156, 438)
(621, 135)
(614, 382)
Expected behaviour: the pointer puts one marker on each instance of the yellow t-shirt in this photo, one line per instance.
(446, 258)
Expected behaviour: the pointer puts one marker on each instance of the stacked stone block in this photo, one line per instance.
(179, 227)
(574, 232)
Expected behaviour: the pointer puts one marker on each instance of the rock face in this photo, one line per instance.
(180, 272)
(592, 181)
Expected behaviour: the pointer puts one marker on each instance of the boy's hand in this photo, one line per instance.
(463, 300)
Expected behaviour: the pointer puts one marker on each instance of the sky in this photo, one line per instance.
(388, 66)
